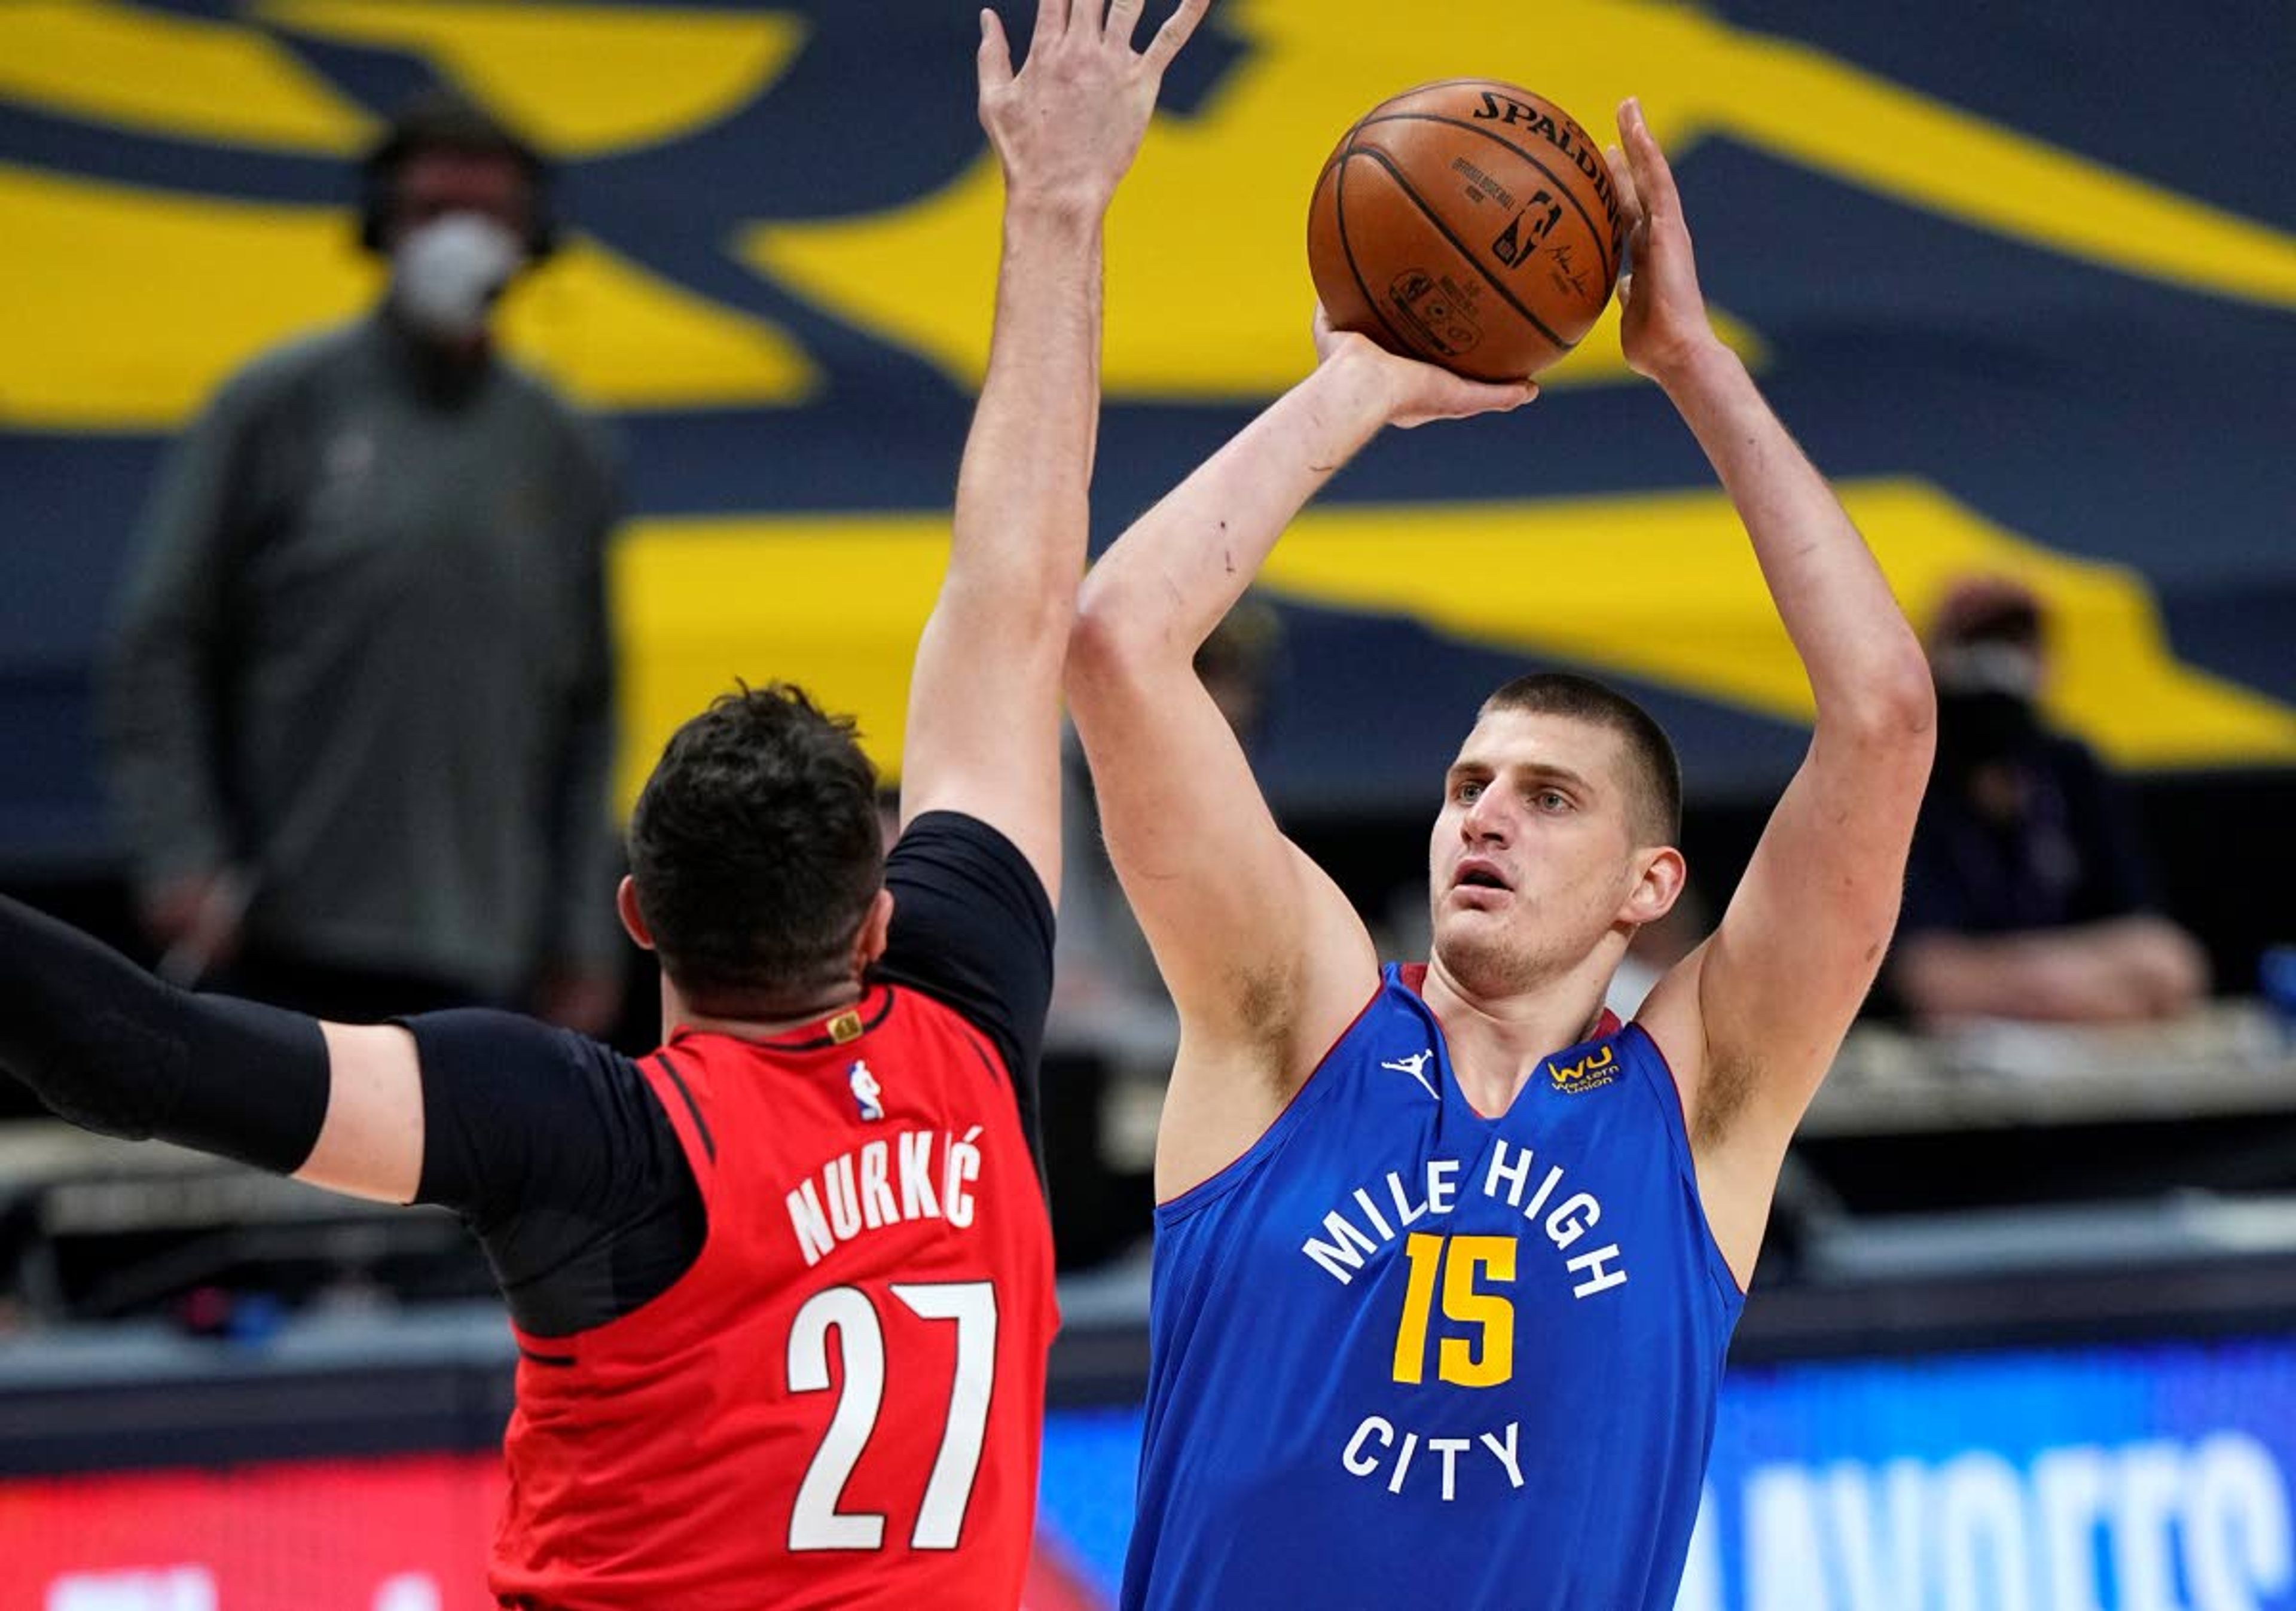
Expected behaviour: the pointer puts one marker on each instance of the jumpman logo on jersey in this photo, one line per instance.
(1415, 1065)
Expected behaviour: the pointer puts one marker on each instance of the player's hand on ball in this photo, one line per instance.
(1069, 124)
(1416, 392)
(1662, 323)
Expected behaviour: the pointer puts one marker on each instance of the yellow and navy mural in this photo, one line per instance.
(2022, 275)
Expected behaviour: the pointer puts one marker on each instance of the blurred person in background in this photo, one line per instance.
(359, 704)
(2028, 891)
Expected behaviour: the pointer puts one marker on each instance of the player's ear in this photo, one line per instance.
(625, 903)
(877, 925)
(1656, 887)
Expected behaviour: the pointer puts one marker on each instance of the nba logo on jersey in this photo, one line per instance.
(865, 1091)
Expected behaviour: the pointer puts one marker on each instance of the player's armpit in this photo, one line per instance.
(1219, 1103)
(1263, 955)
(1752, 1019)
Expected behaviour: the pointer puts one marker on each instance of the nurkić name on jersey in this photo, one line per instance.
(917, 1174)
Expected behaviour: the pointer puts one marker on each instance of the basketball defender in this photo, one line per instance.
(1447, 1257)
(783, 1289)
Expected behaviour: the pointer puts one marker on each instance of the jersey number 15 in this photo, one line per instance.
(1488, 1359)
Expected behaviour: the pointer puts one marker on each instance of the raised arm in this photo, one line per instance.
(114, 1050)
(519, 1113)
(984, 698)
(1753, 1017)
(1264, 957)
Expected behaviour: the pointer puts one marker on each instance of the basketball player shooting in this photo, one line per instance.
(783, 1290)
(1447, 1257)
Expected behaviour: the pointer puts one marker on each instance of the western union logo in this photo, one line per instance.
(1596, 1068)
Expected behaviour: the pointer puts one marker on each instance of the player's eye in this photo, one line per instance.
(1466, 789)
(1551, 800)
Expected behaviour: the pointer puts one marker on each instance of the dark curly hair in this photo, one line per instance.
(756, 850)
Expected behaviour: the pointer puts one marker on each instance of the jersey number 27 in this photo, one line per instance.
(815, 1523)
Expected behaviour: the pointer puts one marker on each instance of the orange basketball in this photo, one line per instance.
(1468, 223)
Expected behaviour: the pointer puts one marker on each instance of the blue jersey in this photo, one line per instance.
(1406, 1355)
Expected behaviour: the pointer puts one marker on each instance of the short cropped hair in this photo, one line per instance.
(1656, 779)
(756, 850)
(442, 119)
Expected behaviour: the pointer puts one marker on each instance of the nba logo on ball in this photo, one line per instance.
(1469, 224)
(866, 1092)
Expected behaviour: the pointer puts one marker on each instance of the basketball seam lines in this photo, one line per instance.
(1347, 247)
(1594, 231)
(1466, 253)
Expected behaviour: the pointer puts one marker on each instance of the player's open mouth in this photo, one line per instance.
(1476, 874)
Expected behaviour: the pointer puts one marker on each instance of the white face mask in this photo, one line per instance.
(1989, 666)
(446, 274)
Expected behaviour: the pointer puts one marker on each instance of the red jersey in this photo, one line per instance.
(839, 1403)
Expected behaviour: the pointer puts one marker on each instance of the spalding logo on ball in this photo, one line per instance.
(1468, 223)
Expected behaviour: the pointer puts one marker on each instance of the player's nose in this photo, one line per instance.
(1485, 819)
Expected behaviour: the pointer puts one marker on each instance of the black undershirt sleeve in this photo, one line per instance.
(112, 1049)
(551, 1147)
(555, 1152)
(972, 928)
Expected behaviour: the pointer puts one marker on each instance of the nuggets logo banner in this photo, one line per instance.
(2022, 277)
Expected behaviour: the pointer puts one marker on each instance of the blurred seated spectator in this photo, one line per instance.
(359, 703)
(2027, 894)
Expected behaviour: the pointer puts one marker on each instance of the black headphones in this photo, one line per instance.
(440, 119)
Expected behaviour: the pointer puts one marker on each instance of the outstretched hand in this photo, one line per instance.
(1068, 125)
(1417, 392)
(1662, 321)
